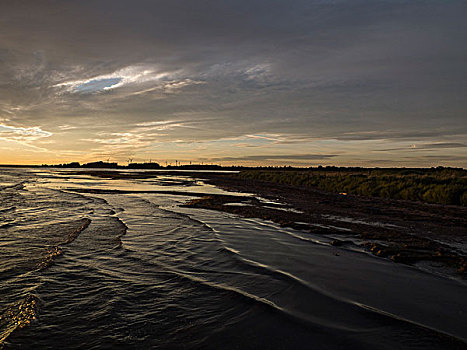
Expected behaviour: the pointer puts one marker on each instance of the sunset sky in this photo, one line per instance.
(369, 83)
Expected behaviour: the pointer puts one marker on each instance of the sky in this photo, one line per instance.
(245, 82)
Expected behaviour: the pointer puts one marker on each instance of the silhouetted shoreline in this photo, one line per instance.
(154, 165)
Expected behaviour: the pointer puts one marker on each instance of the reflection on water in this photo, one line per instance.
(135, 270)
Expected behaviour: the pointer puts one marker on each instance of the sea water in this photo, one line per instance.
(131, 268)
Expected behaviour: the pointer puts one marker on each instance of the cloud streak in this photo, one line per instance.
(283, 157)
(131, 75)
(22, 134)
(428, 146)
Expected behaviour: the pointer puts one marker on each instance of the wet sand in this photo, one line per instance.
(429, 235)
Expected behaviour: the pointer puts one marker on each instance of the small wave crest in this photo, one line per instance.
(17, 316)
(20, 314)
(16, 186)
(52, 253)
(4, 210)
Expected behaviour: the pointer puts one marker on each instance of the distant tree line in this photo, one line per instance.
(149, 165)
(435, 185)
(106, 165)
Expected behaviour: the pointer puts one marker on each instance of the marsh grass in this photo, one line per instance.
(435, 185)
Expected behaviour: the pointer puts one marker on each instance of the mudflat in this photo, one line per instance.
(433, 236)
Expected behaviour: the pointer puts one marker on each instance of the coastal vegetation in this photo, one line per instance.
(436, 185)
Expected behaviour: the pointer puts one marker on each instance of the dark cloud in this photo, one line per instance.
(444, 145)
(438, 158)
(306, 70)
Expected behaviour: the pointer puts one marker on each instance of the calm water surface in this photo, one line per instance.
(136, 270)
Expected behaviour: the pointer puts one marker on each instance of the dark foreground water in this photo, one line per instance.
(135, 270)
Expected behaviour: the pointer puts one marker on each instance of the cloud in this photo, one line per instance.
(258, 72)
(352, 75)
(156, 123)
(427, 146)
(442, 145)
(138, 137)
(21, 133)
(438, 158)
(284, 157)
(131, 75)
(24, 137)
(175, 85)
(66, 127)
(401, 134)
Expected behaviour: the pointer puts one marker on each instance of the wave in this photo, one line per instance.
(54, 252)
(7, 225)
(4, 210)
(170, 257)
(283, 275)
(353, 307)
(24, 311)
(17, 186)
(374, 323)
(17, 316)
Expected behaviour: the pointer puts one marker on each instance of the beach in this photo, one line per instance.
(405, 231)
(179, 260)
